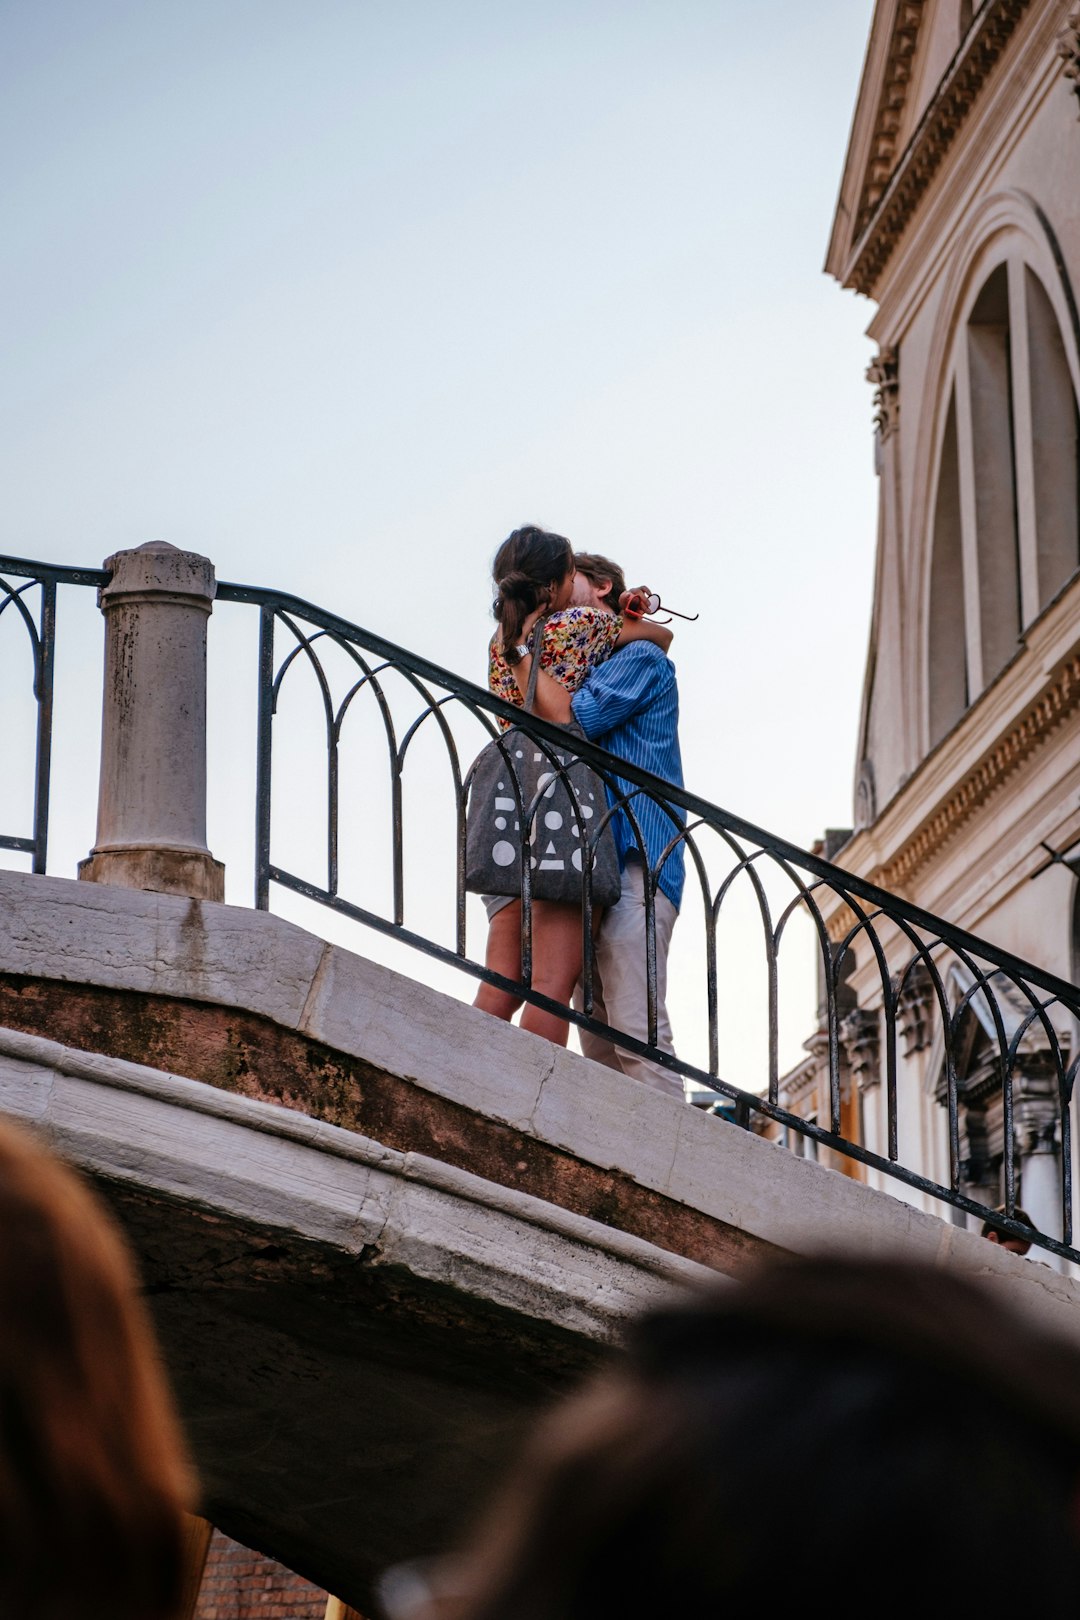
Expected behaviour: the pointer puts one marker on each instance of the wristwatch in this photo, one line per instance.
(514, 655)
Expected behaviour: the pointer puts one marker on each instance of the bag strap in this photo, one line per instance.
(536, 638)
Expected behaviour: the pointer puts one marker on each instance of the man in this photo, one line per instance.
(1006, 1240)
(630, 706)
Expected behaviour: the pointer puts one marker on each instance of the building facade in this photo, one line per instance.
(959, 217)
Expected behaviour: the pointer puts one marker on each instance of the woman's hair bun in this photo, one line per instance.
(516, 587)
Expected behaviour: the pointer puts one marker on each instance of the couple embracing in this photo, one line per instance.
(608, 672)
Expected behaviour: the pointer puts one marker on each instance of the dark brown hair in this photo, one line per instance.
(1018, 1214)
(891, 1416)
(602, 571)
(94, 1478)
(527, 567)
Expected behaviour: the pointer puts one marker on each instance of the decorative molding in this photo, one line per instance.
(799, 1086)
(878, 230)
(1054, 704)
(890, 109)
(913, 1012)
(860, 1035)
(839, 925)
(1068, 48)
(884, 372)
(1059, 699)
(1036, 1113)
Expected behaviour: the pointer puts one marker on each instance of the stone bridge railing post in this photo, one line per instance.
(151, 826)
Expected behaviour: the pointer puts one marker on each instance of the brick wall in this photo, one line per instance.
(239, 1584)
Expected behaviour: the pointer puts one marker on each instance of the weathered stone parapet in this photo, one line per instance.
(151, 827)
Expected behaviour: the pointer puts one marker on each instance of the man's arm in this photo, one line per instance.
(620, 687)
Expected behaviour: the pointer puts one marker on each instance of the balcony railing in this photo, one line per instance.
(368, 804)
(31, 605)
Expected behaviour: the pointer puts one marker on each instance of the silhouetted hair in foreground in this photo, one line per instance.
(94, 1478)
(883, 1433)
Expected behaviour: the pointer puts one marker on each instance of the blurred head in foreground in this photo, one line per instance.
(876, 1431)
(93, 1474)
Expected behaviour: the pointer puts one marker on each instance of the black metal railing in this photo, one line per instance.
(365, 813)
(32, 605)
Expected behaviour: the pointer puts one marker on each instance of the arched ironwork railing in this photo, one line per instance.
(364, 812)
(31, 607)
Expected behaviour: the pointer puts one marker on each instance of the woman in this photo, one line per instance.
(94, 1479)
(534, 574)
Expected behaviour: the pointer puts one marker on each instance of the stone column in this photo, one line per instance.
(151, 827)
(1040, 1188)
(1038, 1143)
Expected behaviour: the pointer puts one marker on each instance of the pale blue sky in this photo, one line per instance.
(339, 292)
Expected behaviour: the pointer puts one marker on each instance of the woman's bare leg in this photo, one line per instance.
(503, 955)
(556, 964)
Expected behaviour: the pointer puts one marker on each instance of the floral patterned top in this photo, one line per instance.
(575, 641)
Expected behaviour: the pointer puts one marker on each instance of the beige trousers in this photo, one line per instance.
(620, 984)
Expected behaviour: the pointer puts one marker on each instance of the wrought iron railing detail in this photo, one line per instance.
(1016, 1010)
(999, 1038)
(32, 606)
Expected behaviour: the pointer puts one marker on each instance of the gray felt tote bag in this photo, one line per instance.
(519, 781)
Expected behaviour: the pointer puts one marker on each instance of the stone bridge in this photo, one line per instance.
(379, 1229)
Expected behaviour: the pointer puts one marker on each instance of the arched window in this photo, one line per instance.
(1055, 430)
(948, 652)
(994, 474)
(1005, 535)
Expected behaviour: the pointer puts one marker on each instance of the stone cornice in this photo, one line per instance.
(1054, 703)
(798, 1086)
(1058, 699)
(890, 108)
(886, 207)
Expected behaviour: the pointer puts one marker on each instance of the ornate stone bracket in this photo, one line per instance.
(884, 372)
(860, 1036)
(1068, 48)
(913, 1014)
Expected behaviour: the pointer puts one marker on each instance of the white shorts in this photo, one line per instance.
(494, 903)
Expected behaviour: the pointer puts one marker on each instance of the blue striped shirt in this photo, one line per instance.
(630, 705)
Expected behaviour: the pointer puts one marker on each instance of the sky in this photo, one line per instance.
(339, 292)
